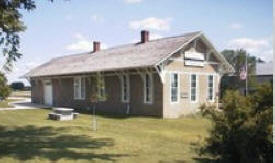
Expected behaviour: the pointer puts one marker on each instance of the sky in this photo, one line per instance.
(68, 27)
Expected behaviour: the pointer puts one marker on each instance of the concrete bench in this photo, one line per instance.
(75, 115)
(54, 116)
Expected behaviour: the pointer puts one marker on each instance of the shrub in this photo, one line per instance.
(242, 131)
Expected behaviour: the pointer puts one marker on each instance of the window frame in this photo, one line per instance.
(196, 88)
(151, 88)
(178, 87)
(102, 90)
(81, 88)
(124, 83)
(213, 88)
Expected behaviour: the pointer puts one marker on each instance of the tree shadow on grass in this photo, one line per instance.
(25, 143)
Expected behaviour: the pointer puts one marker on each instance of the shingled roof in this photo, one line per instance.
(128, 56)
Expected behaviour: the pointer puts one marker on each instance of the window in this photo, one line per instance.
(79, 88)
(101, 85)
(193, 88)
(210, 88)
(148, 88)
(125, 88)
(174, 87)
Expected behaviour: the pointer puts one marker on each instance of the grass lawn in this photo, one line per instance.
(5, 103)
(21, 94)
(27, 135)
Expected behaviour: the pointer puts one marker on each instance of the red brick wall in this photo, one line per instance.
(63, 96)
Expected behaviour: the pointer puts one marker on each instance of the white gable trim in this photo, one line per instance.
(186, 43)
(229, 68)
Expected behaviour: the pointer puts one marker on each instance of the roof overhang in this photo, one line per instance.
(226, 67)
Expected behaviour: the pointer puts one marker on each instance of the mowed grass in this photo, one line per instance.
(27, 135)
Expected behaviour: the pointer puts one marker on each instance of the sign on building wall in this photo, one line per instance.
(194, 58)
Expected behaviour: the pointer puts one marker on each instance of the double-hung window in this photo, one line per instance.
(101, 88)
(148, 88)
(79, 88)
(193, 88)
(210, 88)
(125, 88)
(174, 87)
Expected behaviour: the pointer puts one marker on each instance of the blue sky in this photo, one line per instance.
(67, 27)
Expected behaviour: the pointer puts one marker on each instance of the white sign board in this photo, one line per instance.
(194, 63)
(194, 55)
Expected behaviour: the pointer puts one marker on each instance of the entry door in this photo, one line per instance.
(48, 92)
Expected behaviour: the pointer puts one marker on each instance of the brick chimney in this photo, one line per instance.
(96, 46)
(144, 36)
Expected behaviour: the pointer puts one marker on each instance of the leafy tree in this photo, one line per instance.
(237, 59)
(98, 94)
(11, 25)
(17, 85)
(242, 131)
(4, 88)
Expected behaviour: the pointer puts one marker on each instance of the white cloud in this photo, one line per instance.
(236, 26)
(151, 23)
(133, 1)
(97, 19)
(153, 36)
(258, 47)
(252, 45)
(82, 44)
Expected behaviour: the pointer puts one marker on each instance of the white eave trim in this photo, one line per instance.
(186, 43)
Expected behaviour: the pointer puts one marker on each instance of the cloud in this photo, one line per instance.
(151, 23)
(132, 1)
(249, 44)
(82, 44)
(259, 47)
(97, 19)
(236, 26)
(153, 36)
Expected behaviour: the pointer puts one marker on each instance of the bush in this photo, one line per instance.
(17, 86)
(242, 131)
(4, 89)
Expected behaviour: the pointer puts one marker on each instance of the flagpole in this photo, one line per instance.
(246, 83)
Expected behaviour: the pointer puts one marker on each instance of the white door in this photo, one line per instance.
(48, 94)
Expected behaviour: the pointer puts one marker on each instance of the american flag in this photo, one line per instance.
(243, 73)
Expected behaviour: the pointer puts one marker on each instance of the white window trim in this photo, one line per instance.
(197, 87)
(207, 92)
(178, 99)
(80, 88)
(127, 89)
(151, 89)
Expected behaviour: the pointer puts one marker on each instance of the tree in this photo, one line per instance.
(4, 88)
(98, 93)
(17, 85)
(11, 25)
(237, 59)
(242, 131)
